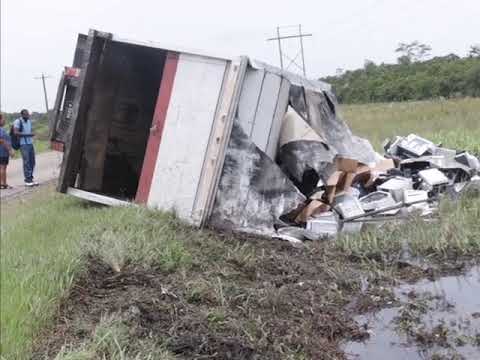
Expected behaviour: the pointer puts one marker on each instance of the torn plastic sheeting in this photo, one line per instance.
(314, 102)
(294, 235)
(319, 109)
(295, 128)
(323, 118)
(306, 163)
(253, 192)
(302, 155)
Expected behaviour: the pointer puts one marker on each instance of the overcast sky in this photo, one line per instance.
(39, 36)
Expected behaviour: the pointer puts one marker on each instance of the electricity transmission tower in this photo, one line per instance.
(43, 77)
(300, 52)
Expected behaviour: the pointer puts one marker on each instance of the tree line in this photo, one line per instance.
(416, 76)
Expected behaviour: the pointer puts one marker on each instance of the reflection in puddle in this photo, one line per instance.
(438, 320)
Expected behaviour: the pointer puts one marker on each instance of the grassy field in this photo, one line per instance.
(39, 258)
(41, 140)
(49, 241)
(454, 123)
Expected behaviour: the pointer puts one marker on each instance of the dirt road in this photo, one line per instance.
(47, 169)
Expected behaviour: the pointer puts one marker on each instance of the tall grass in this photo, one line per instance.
(455, 233)
(44, 239)
(44, 242)
(455, 123)
(38, 261)
(111, 341)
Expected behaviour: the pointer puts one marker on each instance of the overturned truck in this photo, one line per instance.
(230, 143)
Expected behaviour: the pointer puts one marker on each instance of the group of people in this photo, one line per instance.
(22, 129)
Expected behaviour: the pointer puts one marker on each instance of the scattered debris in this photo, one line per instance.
(378, 200)
(323, 225)
(412, 196)
(415, 145)
(396, 186)
(348, 205)
(266, 149)
(433, 177)
(468, 160)
(409, 181)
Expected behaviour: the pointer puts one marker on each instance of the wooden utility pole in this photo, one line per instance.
(293, 61)
(43, 77)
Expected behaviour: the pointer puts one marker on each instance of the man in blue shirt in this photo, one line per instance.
(23, 128)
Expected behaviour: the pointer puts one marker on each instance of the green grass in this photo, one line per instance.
(43, 242)
(455, 123)
(44, 239)
(111, 341)
(455, 233)
(39, 259)
(41, 141)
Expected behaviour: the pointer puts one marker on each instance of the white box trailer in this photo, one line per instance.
(185, 131)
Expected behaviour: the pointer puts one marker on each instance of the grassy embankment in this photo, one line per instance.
(45, 242)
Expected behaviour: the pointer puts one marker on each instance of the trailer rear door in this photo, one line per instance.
(61, 114)
(72, 103)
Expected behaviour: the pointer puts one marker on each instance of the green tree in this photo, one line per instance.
(474, 51)
(414, 51)
(446, 76)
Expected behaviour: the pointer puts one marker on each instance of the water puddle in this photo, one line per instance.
(437, 320)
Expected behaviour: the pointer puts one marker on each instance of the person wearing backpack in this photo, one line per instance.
(22, 129)
(5, 152)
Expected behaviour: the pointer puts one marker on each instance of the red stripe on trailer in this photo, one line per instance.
(56, 146)
(158, 123)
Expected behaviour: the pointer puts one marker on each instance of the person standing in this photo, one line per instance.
(5, 152)
(23, 129)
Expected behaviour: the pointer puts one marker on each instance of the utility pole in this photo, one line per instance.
(43, 77)
(301, 52)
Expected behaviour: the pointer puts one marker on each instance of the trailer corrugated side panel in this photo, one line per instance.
(263, 102)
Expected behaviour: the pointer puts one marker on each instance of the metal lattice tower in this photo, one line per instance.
(298, 63)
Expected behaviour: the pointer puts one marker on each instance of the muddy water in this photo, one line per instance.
(436, 320)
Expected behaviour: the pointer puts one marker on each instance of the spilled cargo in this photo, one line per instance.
(231, 143)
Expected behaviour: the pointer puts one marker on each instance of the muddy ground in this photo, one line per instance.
(243, 300)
